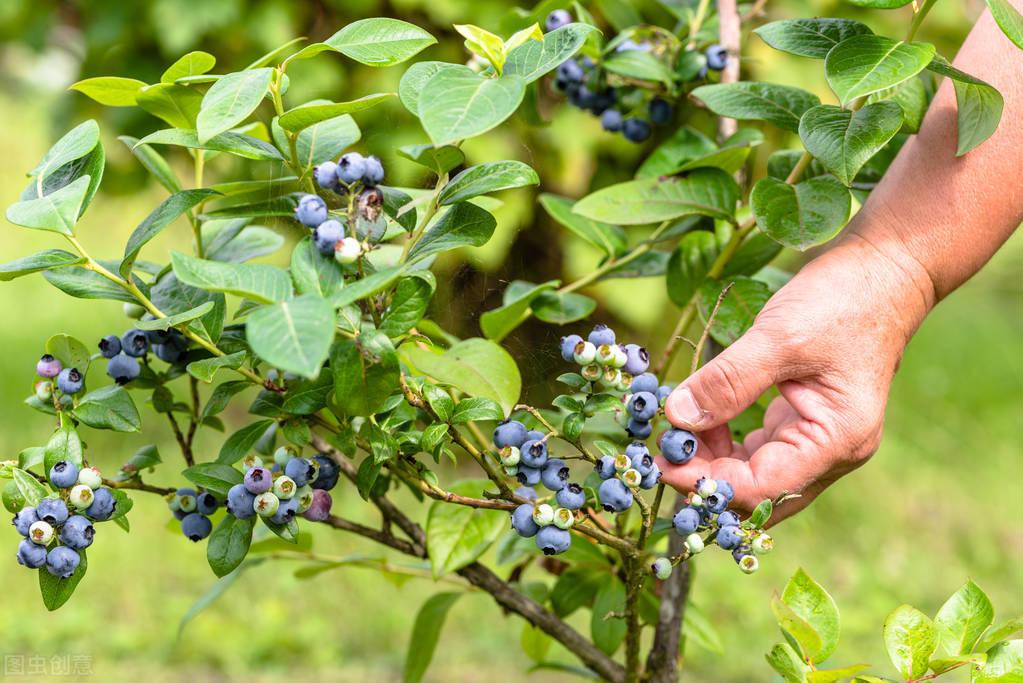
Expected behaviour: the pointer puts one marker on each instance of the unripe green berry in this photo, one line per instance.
(173, 503)
(620, 357)
(40, 533)
(605, 354)
(543, 515)
(91, 477)
(266, 504)
(632, 477)
(625, 383)
(284, 487)
(585, 353)
(706, 486)
(564, 518)
(622, 463)
(44, 391)
(694, 543)
(282, 455)
(305, 498)
(510, 456)
(81, 496)
(611, 377)
(133, 311)
(511, 470)
(347, 251)
(186, 503)
(591, 373)
(749, 564)
(251, 460)
(661, 568)
(695, 500)
(763, 544)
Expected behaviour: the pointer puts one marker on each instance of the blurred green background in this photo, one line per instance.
(937, 504)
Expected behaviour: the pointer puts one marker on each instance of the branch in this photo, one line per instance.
(729, 34)
(381, 537)
(662, 660)
(137, 485)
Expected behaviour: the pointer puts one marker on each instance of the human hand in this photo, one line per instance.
(831, 340)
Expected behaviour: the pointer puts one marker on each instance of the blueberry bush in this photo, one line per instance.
(359, 397)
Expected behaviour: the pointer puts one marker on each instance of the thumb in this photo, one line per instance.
(727, 385)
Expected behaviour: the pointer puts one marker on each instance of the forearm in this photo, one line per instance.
(941, 217)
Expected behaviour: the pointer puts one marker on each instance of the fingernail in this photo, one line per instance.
(684, 408)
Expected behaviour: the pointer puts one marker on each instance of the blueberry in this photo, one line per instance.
(286, 511)
(643, 463)
(622, 462)
(571, 497)
(48, 367)
(717, 57)
(206, 503)
(41, 533)
(135, 343)
(70, 381)
(31, 555)
(534, 454)
(187, 499)
(103, 505)
(510, 433)
(534, 435)
(522, 521)
(110, 346)
(570, 72)
(552, 540)
(266, 504)
(762, 544)
(525, 493)
(726, 490)
(606, 354)
(637, 359)
(311, 210)
(557, 19)
(91, 477)
(651, 478)
(632, 478)
(601, 334)
(663, 392)
(661, 568)
(196, 527)
(728, 518)
(155, 336)
(284, 487)
(302, 470)
(749, 564)
(715, 502)
(554, 474)
(53, 511)
(239, 501)
(694, 544)
(258, 480)
(123, 369)
(564, 518)
(171, 352)
(64, 474)
(706, 486)
(678, 446)
(614, 495)
(510, 456)
(133, 311)
(319, 510)
(568, 345)
(603, 101)
(351, 167)
(326, 175)
(528, 476)
(77, 533)
(636, 130)
(660, 111)
(643, 406)
(639, 429)
(24, 519)
(606, 467)
(374, 173)
(62, 561)
(328, 475)
(644, 382)
(632, 46)
(585, 353)
(729, 537)
(44, 391)
(686, 521)
(611, 120)
(741, 551)
(326, 236)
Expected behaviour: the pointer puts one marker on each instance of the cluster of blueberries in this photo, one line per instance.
(122, 353)
(193, 509)
(583, 84)
(69, 381)
(292, 486)
(60, 527)
(355, 175)
(707, 510)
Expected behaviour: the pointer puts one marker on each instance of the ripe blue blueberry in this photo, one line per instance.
(103, 505)
(31, 555)
(643, 406)
(24, 519)
(568, 345)
(726, 490)
(614, 495)
(717, 57)
(48, 367)
(534, 435)
(258, 479)
(729, 537)
(326, 236)
(155, 336)
(554, 474)
(302, 470)
(663, 392)
(70, 381)
(678, 446)
(135, 343)
(53, 511)
(522, 521)
(311, 210)
(319, 509)
(286, 511)
(660, 111)
(206, 503)
(611, 120)
(525, 493)
(351, 167)
(570, 72)
(123, 369)
(326, 175)
(510, 433)
(728, 518)
(715, 502)
(686, 521)
(77, 532)
(534, 454)
(110, 346)
(172, 351)
(552, 540)
(644, 382)
(557, 19)
(239, 501)
(196, 527)
(636, 130)
(571, 497)
(637, 359)
(651, 478)
(64, 474)
(328, 475)
(639, 429)
(661, 568)
(642, 463)
(374, 173)
(62, 561)
(600, 335)
(528, 476)
(606, 467)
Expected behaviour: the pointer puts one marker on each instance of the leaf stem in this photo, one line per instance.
(918, 19)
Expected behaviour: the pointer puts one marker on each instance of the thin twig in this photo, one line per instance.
(698, 349)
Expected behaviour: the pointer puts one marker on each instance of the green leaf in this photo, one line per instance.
(178, 105)
(460, 104)
(259, 282)
(110, 407)
(684, 145)
(174, 297)
(945, 664)
(170, 321)
(787, 663)
(486, 178)
(69, 351)
(77, 154)
(215, 591)
(437, 159)
(44, 260)
(1008, 19)
(65, 444)
(609, 238)
(425, 635)
(313, 272)
(706, 191)
(205, 369)
(380, 41)
(499, 322)
(57, 212)
(306, 115)
(230, 100)
(29, 487)
(698, 629)
(191, 64)
(1004, 664)
(322, 141)
(561, 308)
(910, 638)
(963, 619)
(843, 141)
(111, 91)
(476, 367)
(756, 251)
(55, 590)
(80, 283)
(367, 286)
(463, 225)
(834, 675)
(293, 335)
(810, 37)
(457, 535)
(640, 65)
(237, 144)
(222, 395)
(533, 59)
(999, 633)
(738, 309)
(778, 104)
(229, 543)
(415, 78)
(864, 64)
(162, 216)
(365, 372)
(608, 632)
(979, 112)
(217, 477)
(804, 215)
(152, 162)
(475, 409)
(275, 54)
(810, 602)
(880, 4)
(689, 265)
(408, 305)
